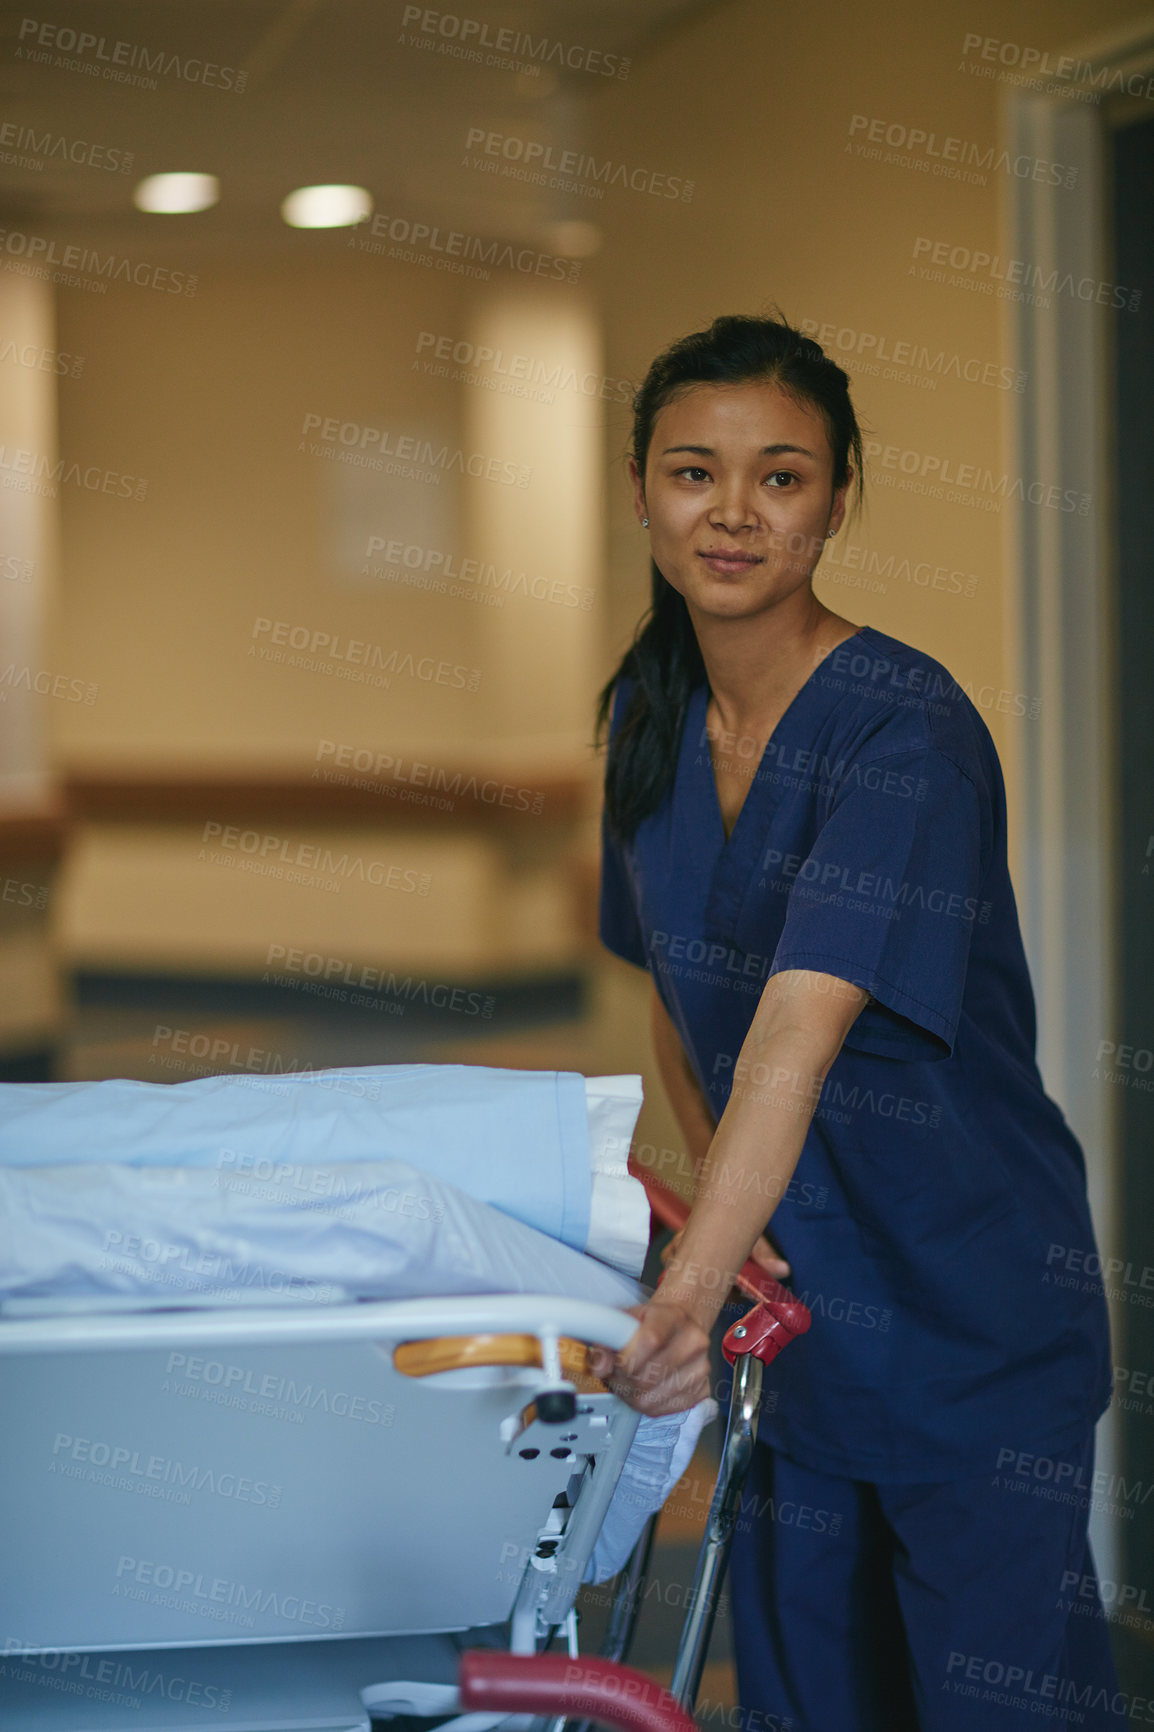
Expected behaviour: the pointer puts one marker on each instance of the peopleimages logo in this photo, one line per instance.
(1020, 1686)
(1125, 1064)
(39, 146)
(955, 158)
(258, 1066)
(507, 49)
(907, 354)
(154, 1472)
(219, 1591)
(26, 471)
(41, 360)
(529, 160)
(455, 783)
(351, 438)
(454, 250)
(267, 1393)
(80, 266)
(105, 1678)
(1032, 65)
(269, 855)
(46, 684)
(374, 988)
(516, 372)
(102, 58)
(909, 893)
(479, 580)
(1018, 279)
(353, 659)
(971, 481)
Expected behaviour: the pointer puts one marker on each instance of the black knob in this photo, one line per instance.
(556, 1406)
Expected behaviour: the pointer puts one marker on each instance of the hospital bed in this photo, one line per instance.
(239, 1511)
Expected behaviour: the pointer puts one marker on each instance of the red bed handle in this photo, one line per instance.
(779, 1314)
(553, 1684)
(765, 1330)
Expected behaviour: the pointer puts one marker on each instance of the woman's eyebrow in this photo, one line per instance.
(766, 450)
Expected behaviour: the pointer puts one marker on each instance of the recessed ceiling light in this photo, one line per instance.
(326, 207)
(176, 194)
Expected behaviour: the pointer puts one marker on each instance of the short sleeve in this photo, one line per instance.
(888, 899)
(617, 924)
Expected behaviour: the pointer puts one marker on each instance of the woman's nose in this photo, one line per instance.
(733, 509)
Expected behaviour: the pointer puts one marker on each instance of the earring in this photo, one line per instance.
(831, 535)
(645, 523)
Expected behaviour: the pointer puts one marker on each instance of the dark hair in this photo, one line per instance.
(664, 661)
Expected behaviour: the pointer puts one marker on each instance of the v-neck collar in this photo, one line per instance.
(732, 859)
(700, 702)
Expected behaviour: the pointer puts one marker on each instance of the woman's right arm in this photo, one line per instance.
(695, 1121)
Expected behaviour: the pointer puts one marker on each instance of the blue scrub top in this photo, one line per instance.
(940, 1190)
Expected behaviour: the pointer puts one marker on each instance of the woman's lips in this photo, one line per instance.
(727, 563)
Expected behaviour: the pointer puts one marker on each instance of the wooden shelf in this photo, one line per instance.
(447, 799)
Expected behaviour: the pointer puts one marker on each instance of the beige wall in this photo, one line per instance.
(207, 401)
(251, 516)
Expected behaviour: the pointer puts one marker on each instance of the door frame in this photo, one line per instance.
(1061, 612)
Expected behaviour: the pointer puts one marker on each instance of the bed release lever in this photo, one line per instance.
(766, 1329)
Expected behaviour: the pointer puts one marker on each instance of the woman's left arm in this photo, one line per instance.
(798, 1029)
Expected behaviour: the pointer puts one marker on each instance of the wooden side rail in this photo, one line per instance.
(453, 1352)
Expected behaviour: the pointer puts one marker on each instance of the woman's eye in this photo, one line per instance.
(694, 473)
(781, 477)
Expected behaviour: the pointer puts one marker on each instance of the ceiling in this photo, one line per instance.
(336, 90)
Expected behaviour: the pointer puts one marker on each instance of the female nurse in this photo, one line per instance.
(805, 846)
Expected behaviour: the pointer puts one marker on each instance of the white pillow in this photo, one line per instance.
(618, 1206)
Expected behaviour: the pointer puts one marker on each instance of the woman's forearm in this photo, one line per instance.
(744, 1176)
(777, 1081)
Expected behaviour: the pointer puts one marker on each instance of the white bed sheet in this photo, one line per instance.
(312, 1232)
(546, 1147)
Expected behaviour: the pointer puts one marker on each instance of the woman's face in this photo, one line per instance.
(738, 490)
